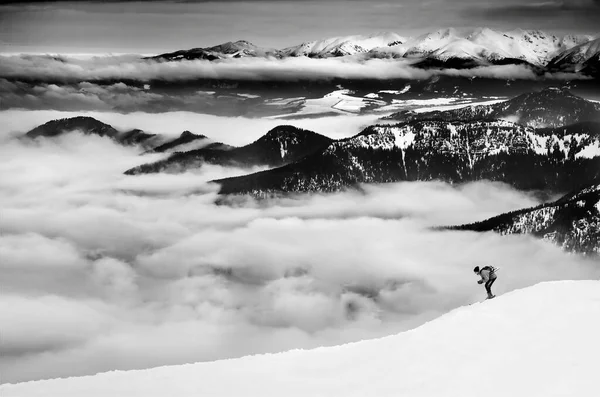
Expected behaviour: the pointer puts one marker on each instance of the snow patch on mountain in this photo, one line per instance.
(590, 151)
(248, 96)
(396, 92)
(340, 101)
(578, 54)
(372, 95)
(421, 104)
(457, 106)
(534, 47)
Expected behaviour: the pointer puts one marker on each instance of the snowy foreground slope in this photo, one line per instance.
(538, 341)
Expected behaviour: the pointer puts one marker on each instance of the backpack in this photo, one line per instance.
(492, 269)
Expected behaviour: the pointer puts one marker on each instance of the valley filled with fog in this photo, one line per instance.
(105, 271)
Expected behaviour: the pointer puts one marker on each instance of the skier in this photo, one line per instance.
(488, 275)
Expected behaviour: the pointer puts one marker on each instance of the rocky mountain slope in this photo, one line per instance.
(454, 151)
(551, 107)
(281, 145)
(584, 57)
(572, 222)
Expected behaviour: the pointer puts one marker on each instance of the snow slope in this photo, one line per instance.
(340, 46)
(534, 47)
(577, 56)
(538, 341)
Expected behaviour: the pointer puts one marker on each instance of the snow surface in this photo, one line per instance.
(580, 53)
(339, 101)
(249, 96)
(284, 101)
(535, 47)
(398, 92)
(432, 103)
(347, 45)
(538, 341)
(440, 107)
(590, 151)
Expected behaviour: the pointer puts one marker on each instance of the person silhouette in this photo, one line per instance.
(488, 276)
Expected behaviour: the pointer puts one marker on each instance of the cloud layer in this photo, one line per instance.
(65, 69)
(103, 271)
(236, 131)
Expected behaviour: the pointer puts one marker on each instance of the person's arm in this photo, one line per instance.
(485, 276)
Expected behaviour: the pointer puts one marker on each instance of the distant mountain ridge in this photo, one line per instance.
(436, 150)
(584, 57)
(237, 49)
(461, 145)
(551, 107)
(572, 222)
(281, 145)
(444, 48)
(91, 126)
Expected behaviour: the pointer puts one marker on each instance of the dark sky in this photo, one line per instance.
(158, 26)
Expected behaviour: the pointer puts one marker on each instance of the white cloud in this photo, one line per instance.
(231, 130)
(104, 271)
(74, 70)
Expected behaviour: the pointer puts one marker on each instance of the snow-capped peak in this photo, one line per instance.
(345, 45)
(579, 53)
(441, 48)
(534, 47)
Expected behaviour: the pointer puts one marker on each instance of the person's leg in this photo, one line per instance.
(488, 287)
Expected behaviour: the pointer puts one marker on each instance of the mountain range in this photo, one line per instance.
(456, 146)
(551, 107)
(444, 48)
(547, 140)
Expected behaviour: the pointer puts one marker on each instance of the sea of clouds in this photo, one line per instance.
(69, 69)
(103, 271)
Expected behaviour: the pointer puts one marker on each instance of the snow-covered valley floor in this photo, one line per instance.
(538, 341)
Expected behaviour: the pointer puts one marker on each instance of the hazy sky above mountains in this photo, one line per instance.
(159, 26)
